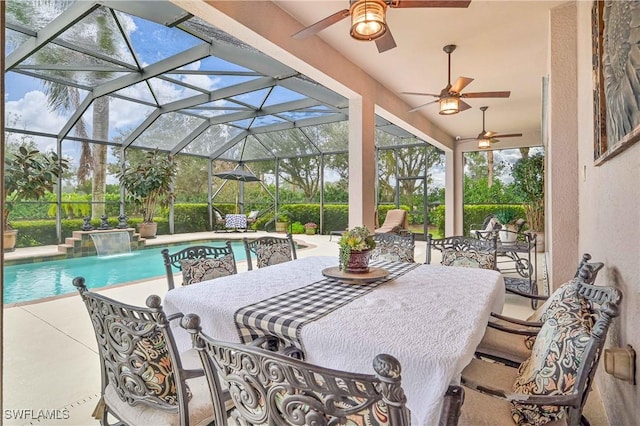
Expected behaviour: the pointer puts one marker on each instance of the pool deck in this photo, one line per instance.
(50, 359)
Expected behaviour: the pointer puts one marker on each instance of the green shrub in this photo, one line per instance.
(297, 228)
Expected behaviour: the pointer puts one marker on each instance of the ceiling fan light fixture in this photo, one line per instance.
(449, 105)
(484, 143)
(368, 20)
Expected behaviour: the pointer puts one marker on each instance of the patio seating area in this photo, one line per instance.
(66, 376)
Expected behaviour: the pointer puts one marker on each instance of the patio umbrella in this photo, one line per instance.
(241, 176)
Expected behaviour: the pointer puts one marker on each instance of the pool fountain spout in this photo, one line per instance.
(110, 243)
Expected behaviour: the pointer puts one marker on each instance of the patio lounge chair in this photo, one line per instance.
(292, 390)
(395, 221)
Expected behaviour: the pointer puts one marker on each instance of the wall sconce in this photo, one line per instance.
(368, 19)
(449, 105)
(621, 363)
(484, 143)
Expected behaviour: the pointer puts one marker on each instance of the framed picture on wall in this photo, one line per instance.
(616, 73)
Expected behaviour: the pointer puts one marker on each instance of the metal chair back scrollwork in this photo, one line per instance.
(394, 247)
(143, 380)
(177, 261)
(269, 250)
(271, 388)
(462, 244)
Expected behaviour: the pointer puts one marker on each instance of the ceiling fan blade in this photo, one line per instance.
(386, 42)
(460, 84)
(466, 139)
(510, 135)
(423, 105)
(463, 106)
(430, 3)
(488, 134)
(505, 94)
(321, 24)
(420, 94)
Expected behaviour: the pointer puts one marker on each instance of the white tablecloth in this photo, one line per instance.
(431, 319)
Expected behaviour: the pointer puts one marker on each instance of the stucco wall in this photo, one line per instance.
(609, 225)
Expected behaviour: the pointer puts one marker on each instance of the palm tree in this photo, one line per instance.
(68, 98)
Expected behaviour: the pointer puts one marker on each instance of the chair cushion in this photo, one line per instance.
(503, 344)
(392, 253)
(272, 254)
(553, 365)
(200, 408)
(468, 259)
(560, 293)
(150, 361)
(197, 270)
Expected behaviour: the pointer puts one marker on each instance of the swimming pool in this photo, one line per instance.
(32, 281)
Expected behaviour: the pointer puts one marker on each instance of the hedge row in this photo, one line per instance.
(472, 215)
(189, 218)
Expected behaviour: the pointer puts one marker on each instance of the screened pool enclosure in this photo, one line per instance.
(95, 81)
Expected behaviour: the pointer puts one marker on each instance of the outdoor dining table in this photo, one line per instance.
(430, 317)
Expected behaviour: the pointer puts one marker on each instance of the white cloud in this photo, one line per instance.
(32, 113)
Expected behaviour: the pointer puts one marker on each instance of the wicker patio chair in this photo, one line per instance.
(394, 247)
(271, 388)
(507, 339)
(269, 250)
(200, 263)
(553, 384)
(464, 251)
(143, 378)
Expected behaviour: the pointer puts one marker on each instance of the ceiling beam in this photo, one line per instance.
(66, 19)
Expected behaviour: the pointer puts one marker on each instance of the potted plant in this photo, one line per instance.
(355, 246)
(148, 185)
(282, 220)
(507, 218)
(28, 175)
(528, 179)
(310, 228)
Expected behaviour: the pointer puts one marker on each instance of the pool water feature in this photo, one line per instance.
(110, 243)
(32, 281)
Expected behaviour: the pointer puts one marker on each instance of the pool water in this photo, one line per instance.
(32, 281)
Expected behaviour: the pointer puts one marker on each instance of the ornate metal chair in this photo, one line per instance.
(554, 382)
(508, 340)
(464, 251)
(143, 379)
(394, 247)
(200, 263)
(517, 256)
(271, 388)
(269, 250)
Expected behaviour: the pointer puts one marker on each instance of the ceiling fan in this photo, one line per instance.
(484, 138)
(368, 19)
(450, 98)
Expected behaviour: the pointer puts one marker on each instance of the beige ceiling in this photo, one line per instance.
(502, 45)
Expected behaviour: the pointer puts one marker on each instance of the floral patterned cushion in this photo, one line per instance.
(392, 253)
(468, 259)
(150, 361)
(272, 254)
(564, 304)
(555, 359)
(197, 270)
